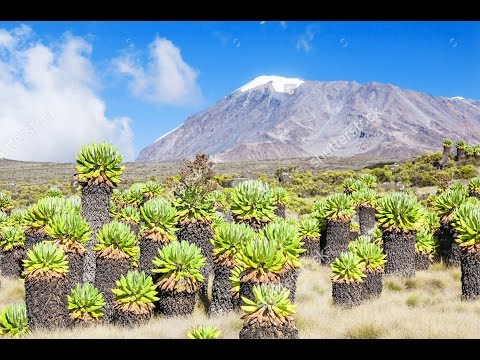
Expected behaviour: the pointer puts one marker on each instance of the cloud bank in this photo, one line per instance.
(49, 106)
(165, 78)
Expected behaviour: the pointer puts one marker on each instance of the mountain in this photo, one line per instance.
(274, 117)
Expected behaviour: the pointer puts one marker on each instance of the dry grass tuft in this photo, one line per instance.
(366, 331)
(411, 283)
(392, 285)
(11, 291)
(413, 300)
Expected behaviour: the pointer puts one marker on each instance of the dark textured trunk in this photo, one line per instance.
(11, 262)
(474, 194)
(312, 245)
(280, 210)
(470, 265)
(246, 288)
(237, 303)
(95, 205)
(108, 272)
(228, 216)
(253, 223)
(222, 301)
(81, 323)
(34, 237)
(347, 294)
(148, 251)
(449, 250)
(372, 285)
(75, 269)
(422, 261)
(460, 154)
(354, 235)
(134, 227)
(323, 240)
(174, 303)
(445, 155)
(400, 250)
(130, 319)
(256, 331)
(46, 301)
(200, 234)
(366, 218)
(288, 279)
(337, 239)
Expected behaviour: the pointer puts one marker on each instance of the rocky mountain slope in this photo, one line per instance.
(273, 117)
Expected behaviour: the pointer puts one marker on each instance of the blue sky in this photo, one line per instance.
(130, 82)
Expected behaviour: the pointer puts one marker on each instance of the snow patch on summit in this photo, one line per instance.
(279, 84)
(161, 137)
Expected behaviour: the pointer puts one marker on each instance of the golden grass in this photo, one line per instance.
(427, 306)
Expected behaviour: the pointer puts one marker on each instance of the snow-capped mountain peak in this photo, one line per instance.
(279, 83)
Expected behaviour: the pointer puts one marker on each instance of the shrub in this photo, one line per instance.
(399, 211)
(99, 163)
(13, 320)
(85, 302)
(204, 332)
(179, 264)
(347, 268)
(270, 305)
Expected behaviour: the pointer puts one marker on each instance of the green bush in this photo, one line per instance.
(467, 172)
(383, 174)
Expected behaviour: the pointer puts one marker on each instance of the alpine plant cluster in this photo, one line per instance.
(124, 254)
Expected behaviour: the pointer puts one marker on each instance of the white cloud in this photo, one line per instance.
(166, 78)
(48, 104)
(304, 42)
